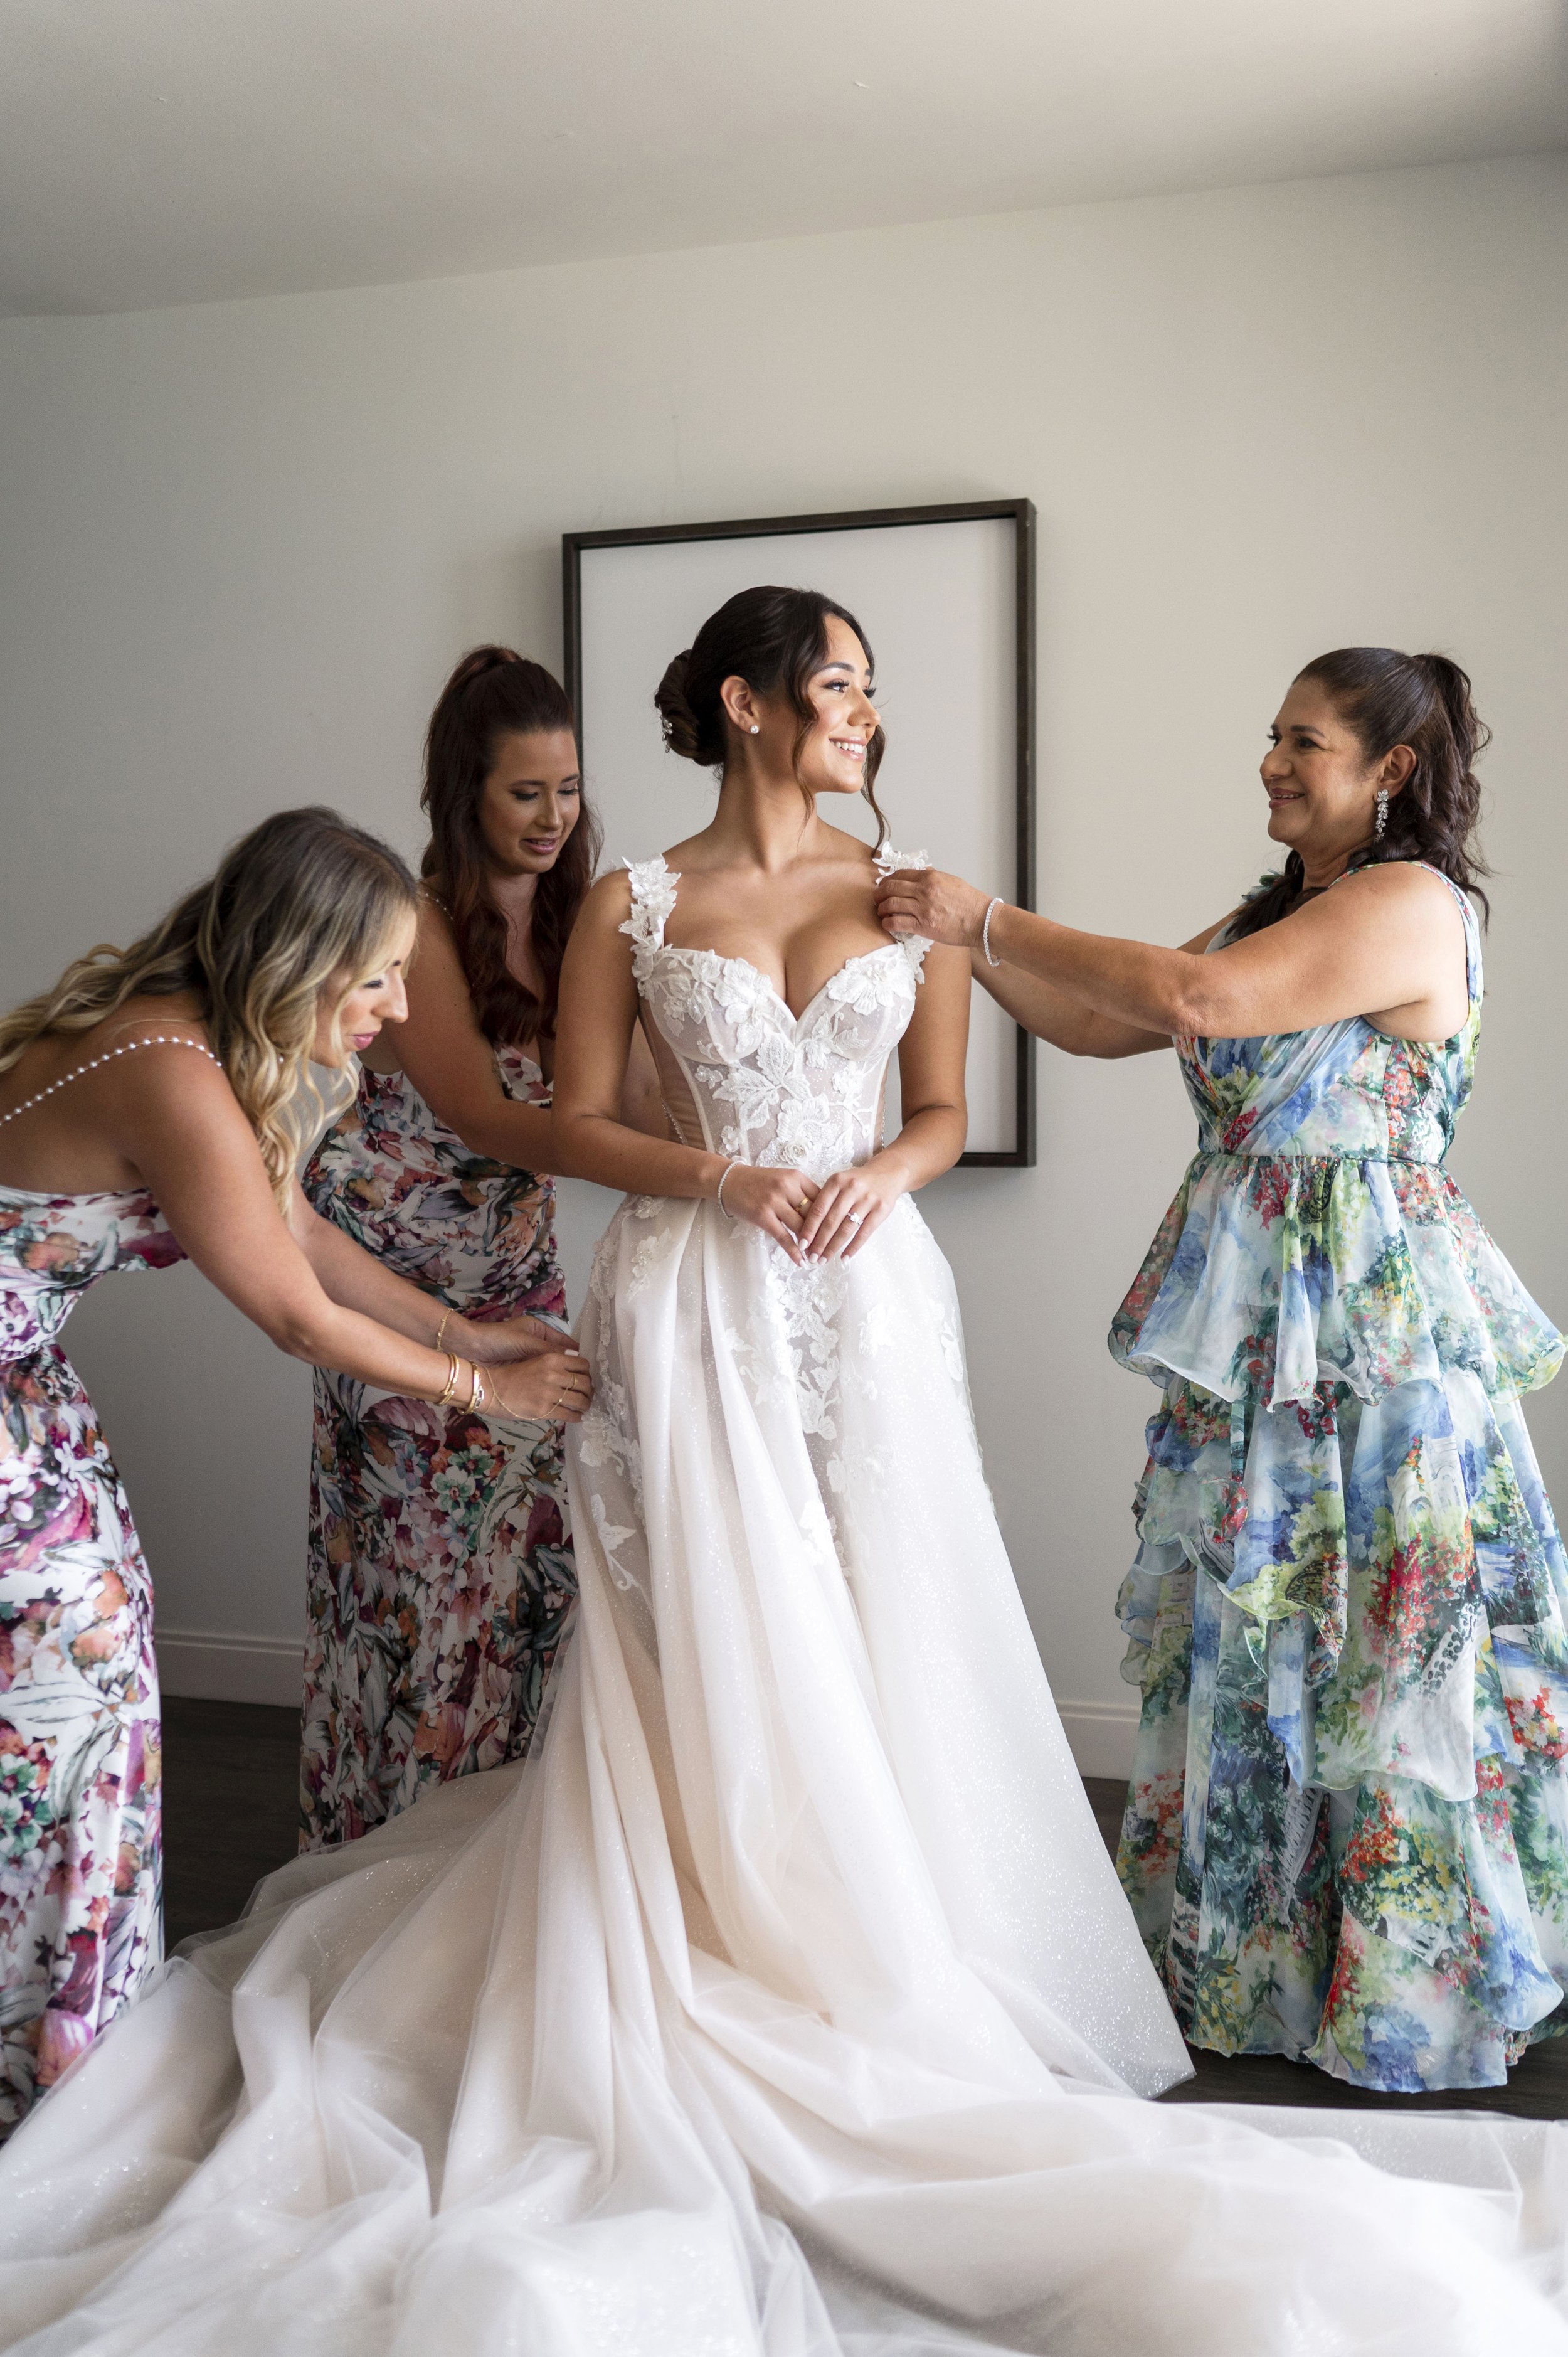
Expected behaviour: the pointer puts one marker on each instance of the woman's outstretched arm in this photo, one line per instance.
(1051, 1013)
(1385, 942)
(177, 1118)
(592, 1043)
(355, 1279)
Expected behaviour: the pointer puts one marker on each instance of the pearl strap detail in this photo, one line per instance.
(127, 1048)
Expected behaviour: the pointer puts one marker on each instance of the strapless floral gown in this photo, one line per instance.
(81, 1857)
(782, 2002)
(439, 1575)
(1346, 1836)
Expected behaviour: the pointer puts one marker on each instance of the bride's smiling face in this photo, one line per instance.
(831, 760)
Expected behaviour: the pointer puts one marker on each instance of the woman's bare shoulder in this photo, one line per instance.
(1397, 881)
(848, 850)
(1400, 892)
(606, 904)
(143, 1020)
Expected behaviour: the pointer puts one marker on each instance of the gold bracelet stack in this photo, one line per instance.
(454, 1368)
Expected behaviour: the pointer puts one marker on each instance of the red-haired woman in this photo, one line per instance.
(440, 1571)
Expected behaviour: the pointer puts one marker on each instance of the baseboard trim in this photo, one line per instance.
(213, 1668)
(1101, 1735)
(210, 1667)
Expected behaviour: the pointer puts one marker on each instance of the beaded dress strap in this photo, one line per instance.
(127, 1048)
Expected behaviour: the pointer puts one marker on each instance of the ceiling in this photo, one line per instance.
(183, 151)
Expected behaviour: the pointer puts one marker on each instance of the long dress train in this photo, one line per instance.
(782, 2002)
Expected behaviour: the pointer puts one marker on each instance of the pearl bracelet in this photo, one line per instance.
(985, 930)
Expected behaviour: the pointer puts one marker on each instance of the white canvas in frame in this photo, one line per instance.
(937, 603)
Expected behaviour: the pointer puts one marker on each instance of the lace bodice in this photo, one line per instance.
(764, 1085)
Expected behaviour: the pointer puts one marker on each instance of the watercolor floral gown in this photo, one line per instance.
(80, 1861)
(440, 1575)
(1347, 1837)
(782, 2002)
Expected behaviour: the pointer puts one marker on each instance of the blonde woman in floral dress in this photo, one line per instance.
(1346, 1838)
(440, 1568)
(145, 1116)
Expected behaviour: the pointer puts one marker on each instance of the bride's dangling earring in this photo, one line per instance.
(1383, 812)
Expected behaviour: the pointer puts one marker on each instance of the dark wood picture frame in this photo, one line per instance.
(1020, 512)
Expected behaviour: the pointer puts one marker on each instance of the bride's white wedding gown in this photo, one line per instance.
(784, 2001)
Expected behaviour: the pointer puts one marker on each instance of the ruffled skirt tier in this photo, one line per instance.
(1347, 1837)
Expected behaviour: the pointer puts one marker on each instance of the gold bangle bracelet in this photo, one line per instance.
(476, 1389)
(454, 1368)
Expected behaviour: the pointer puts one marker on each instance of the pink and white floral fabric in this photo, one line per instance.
(80, 1852)
(440, 1574)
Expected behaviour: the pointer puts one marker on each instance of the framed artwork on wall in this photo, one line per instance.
(945, 595)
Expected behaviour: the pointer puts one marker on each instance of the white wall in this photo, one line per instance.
(240, 545)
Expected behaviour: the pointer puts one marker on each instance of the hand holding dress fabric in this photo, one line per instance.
(506, 1341)
(941, 907)
(552, 1387)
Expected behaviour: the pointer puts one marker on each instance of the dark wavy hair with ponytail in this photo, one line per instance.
(773, 639)
(1388, 699)
(496, 692)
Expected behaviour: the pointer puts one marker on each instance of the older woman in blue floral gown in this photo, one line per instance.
(1347, 1837)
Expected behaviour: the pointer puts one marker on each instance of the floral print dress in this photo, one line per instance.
(1346, 1835)
(440, 1572)
(80, 1859)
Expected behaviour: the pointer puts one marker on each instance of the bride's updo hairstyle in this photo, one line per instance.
(1388, 699)
(305, 905)
(496, 692)
(774, 639)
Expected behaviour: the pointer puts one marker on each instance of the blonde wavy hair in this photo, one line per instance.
(304, 904)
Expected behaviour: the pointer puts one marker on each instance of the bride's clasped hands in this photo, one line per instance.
(833, 1219)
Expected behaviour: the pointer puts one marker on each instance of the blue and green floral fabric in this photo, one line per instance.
(1346, 1835)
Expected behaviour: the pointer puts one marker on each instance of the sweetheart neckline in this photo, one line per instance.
(677, 949)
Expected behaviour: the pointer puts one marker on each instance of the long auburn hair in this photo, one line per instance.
(496, 692)
(305, 902)
(772, 638)
(1388, 699)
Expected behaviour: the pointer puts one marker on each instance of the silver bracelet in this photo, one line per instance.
(985, 930)
(719, 1189)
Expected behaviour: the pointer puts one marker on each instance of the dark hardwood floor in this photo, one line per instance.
(230, 1807)
(231, 1814)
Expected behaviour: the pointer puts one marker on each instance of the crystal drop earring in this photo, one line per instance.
(1383, 812)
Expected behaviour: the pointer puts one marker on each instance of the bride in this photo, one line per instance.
(783, 2001)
